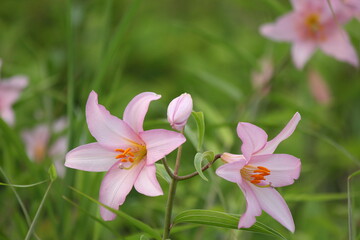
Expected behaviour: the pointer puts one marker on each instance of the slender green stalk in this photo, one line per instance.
(23, 186)
(352, 231)
(22, 206)
(171, 196)
(70, 73)
(31, 229)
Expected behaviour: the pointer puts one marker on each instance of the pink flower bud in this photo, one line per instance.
(319, 88)
(179, 111)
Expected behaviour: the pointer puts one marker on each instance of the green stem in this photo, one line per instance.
(70, 74)
(171, 197)
(22, 206)
(31, 229)
(181, 178)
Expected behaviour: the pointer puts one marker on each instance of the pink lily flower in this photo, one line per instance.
(38, 146)
(258, 171)
(310, 26)
(352, 8)
(319, 88)
(124, 150)
(10, 90)
(179, 111)
(36, 141)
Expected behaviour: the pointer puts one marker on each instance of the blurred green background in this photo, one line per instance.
(209, 49)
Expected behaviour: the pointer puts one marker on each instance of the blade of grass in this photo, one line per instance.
(352, 231)
(115, 43)
(92, 217)
(22, 206)
(139, 224)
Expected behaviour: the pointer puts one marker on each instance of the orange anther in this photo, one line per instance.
(118, 156)
(263, 168)
(123, 160)
(119, 150)
(130, 154)
(131, 159)
(258, 177)
(255, 181)
(260, 171)
(127, 150)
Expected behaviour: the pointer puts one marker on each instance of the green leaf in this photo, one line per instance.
(208, 156)
(52, 173)
(198, 160)
(92, 216)
(200, 122)
(161, 171)
(221, 219)
(133, 221)
(198, 166)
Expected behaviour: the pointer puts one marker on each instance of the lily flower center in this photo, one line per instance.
(256, 175)
(314, 29)
(130, 157)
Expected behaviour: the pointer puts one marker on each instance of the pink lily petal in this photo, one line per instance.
(301, 52)
(160, 142)
(282, 30)
(106, 128)
(253, 208)
(296, 4)
(179, 111)
(57, 153)
(284, 134)
(36, 141)
(319, 88)
(115, 186)
(231, 171)
(10, 89)
(272, 203)
(91, 157)
(229, 157)
(137, 108)
(8, 115)
(60, 124)
(284, 168)
(339, 46)
(253, 138)
(147, 183)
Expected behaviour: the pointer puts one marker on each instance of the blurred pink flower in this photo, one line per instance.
(124, 150)
(36, 141)
(179, 111)
(310, 26)
(260, 79)
(319, 88)
(352, 8)
(38, 146)
(258, 171)
(10, 90)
